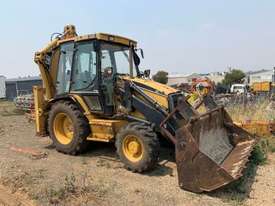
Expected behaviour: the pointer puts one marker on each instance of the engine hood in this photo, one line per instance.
(159, 92)
(153, 86)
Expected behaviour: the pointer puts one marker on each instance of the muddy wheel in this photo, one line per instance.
(68, 128)
(138, 147)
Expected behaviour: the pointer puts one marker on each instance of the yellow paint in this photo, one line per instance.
(162, 88)
(101, 129)
(47, 81)
(193, 99)
(160, 95)
(39, 103)
(162, 100)
(260, 128)
(115, 38)
(63, 128)
(39, 59)
(261, 86)
(132, 148)
(83, 105)
(101, 36)
(104, 129)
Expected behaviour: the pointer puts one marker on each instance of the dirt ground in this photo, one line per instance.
(33, 173)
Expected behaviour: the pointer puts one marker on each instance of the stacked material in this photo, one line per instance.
(24, 103)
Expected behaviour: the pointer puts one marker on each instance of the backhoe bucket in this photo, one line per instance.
(210, 150)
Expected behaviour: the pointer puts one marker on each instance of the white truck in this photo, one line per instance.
(2, 87)
(238, 88)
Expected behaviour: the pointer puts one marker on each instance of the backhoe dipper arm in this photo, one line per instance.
(40, 59)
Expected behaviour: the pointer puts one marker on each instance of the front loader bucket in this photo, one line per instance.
(210, 150)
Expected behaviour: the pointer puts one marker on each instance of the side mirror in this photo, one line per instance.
(147, 73)
(136, 59)
(141, 53)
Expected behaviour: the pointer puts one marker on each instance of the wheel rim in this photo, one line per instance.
(132, 148)
(63, 128)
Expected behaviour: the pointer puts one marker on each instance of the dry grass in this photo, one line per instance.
(260, 110)
(8, 109)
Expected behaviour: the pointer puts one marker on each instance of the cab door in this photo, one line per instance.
(107, 63)
(64, 68)
(85, 76)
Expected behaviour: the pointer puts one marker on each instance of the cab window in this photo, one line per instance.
(116, 58)
(64, 68)
(84, 68)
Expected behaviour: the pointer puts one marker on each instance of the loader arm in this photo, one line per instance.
(211, 151)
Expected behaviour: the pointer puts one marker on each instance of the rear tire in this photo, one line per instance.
(138, 147)
(68, 139)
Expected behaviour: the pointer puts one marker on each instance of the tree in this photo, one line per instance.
(161, 77)
(234, 76)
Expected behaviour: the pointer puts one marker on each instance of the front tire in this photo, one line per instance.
(138, 147)
(68, 128)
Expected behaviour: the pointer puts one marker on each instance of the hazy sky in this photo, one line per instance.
(179, 36)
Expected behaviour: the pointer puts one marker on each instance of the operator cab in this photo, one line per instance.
(89, 68)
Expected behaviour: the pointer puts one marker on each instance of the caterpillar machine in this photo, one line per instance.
(93, 90)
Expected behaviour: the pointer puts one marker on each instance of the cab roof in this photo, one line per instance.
(102, 36)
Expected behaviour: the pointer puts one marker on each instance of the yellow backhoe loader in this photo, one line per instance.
(93, 90)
